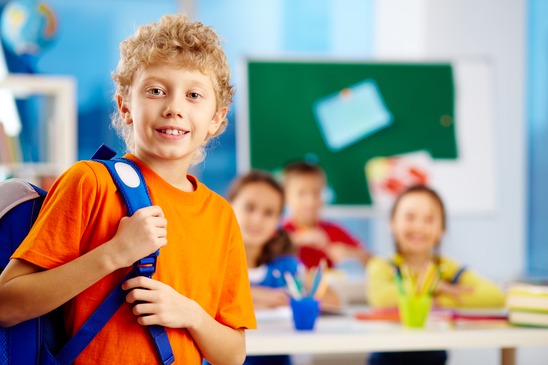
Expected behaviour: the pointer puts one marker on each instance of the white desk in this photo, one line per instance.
(343, 334)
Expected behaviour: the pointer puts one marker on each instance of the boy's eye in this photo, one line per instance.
(194, 95)
(155, 91)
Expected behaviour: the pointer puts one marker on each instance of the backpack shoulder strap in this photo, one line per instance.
(131, 185)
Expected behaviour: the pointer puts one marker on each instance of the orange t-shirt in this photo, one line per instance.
(204, 259)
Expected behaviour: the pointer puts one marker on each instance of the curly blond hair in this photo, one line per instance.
(178, 41)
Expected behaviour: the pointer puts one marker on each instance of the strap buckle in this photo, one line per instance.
(146, 266)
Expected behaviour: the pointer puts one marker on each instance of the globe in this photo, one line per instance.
(28, 26)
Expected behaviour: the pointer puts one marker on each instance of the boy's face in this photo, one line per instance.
(172, 111)
(417, 224)
(258, 208)
(304, 197)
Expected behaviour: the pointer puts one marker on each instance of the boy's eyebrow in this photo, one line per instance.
(154, 78)
(165, 79)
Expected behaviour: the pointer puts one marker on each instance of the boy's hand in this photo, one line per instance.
(157, 303)
(313, 237)
(338, 252)
(139, 235)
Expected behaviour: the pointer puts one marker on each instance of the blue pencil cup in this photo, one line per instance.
(305, 312)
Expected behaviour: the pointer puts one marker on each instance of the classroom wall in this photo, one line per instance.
(398, 29)
(495, 244)
(494, 30)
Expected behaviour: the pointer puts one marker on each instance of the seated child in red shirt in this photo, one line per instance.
(314, 237)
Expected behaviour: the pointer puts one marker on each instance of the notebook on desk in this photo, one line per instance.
(461, 317)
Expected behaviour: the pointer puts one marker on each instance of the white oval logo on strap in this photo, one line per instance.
(127, 174)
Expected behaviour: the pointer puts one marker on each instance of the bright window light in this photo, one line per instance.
(8, 110)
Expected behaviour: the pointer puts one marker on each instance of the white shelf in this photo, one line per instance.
(62, 126)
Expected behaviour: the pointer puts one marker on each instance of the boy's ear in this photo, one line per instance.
(217, 120)
(124, 110)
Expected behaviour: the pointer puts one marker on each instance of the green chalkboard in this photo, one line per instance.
(282, 126)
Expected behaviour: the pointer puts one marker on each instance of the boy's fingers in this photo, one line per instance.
(138, 282)
(156, 211)
(143, 309)
(148, 320)
(139, 295)
(152, 210)
(159, 222)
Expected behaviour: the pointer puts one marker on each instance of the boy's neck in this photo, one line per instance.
(304, 223)
(172, 171)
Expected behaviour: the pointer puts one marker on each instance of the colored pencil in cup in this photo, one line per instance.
(292, 285)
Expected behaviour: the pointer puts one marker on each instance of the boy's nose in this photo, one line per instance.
(173, 109)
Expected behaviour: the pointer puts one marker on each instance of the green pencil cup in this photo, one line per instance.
(414, 309)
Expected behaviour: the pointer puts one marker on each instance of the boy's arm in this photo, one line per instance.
(28, 291)
(219, 344)
(344, 245)
(156, 303)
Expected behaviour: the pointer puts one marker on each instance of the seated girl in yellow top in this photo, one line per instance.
(418, 222)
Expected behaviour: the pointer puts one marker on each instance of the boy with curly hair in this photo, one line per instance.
(173, 93)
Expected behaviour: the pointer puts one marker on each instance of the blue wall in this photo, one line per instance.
(537, 119)
(86, 47)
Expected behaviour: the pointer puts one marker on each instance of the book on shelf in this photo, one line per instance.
(10, 147)
(527, 297)
(528, 318)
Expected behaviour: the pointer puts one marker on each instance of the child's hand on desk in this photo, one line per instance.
(313, 237)
(157, 303)
(338, 252)
(264, 297)
(453, 290)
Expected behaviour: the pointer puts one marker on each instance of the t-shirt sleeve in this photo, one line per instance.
(339, 234)
(54, 238)
(292, 264)
(236, 305)
(381, 289)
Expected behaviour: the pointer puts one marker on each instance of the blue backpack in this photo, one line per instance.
(43, 340)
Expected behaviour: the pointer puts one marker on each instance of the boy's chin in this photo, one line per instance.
(308, 220)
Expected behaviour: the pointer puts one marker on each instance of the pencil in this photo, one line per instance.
(292, 285)
(399, 282)
(426, 277)
(435, 281)
(407, 279)
(317, 279)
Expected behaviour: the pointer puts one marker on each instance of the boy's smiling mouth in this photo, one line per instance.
(172, 131)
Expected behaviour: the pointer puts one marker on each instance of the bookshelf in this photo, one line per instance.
(61, 139)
